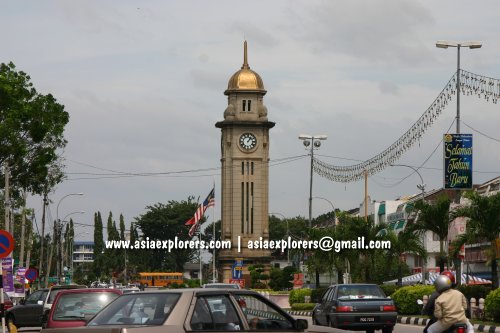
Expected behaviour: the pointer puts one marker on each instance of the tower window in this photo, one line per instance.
(252, 169)
(247, 105)
(242, 168)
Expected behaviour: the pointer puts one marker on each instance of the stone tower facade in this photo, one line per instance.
(245, 171)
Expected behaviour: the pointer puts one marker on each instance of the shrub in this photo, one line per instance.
(492, 305)
(389, 289)
(317, 294)
(474, 291)
(303, 306)
(406, 298)
(298, 295)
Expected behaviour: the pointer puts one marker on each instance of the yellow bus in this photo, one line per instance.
(158, 279)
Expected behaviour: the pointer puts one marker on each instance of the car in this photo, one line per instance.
(51, 296)
(356, 307)
(74, 307)
(222, 285)
(130, 290)
(28, 313)
(7, 304)
(187, 310)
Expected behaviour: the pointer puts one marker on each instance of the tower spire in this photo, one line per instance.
(245, 57)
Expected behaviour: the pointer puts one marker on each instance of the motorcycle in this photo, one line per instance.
(455, 328)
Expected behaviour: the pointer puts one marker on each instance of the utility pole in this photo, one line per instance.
(7, 198)
(23, 231)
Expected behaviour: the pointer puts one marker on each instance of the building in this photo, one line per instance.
(83, 252)
(245, 173)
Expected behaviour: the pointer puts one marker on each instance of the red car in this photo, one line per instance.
(73, 308)
(7, 304)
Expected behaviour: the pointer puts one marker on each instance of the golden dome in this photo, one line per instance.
(245, 78)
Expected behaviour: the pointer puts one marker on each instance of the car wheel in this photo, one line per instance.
(387, 329)
(11, 325)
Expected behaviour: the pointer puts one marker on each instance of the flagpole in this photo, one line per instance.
(201, 264)
(213, 235)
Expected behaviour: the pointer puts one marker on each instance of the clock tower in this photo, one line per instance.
(245, 172)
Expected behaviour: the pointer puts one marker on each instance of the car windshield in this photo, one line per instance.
(359, 291)
(137, 309)
(80, 306)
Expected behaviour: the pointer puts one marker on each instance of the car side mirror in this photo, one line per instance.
(39, 302)
(301, 324)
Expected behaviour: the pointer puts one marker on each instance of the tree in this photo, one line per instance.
(31, 130)
(98, 245)
(434, 217)
(483, 213)
(402, 243)
(164, 222)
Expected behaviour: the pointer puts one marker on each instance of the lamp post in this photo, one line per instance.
(421, 187)
(287, 234)
(315, 142)
(61, 226)
(58, 236)
(333, 208)
(471, 45)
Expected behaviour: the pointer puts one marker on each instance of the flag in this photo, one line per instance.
(200, 211)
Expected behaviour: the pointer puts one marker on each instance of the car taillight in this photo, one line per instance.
(344, 308)
(460, 329)
(388, 308)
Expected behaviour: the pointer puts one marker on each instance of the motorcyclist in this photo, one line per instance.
(450, 307)
(428, 309)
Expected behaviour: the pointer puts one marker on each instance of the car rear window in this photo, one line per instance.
(359, 291)
(81, 305)
(137, 309)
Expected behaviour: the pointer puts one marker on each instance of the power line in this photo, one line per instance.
(485, 135)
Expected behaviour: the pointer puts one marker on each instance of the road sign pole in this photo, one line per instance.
(6, 247)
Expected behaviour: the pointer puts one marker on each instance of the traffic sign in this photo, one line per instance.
(31, 274)
(6, 244)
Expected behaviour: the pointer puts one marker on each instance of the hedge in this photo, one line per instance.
(303, 306)
(474, 291)
(389, 289)
(298, 295)
(492, 305)
(406, 298)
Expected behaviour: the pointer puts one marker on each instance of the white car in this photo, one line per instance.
(222, 285)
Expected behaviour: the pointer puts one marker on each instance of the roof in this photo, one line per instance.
(245, 79)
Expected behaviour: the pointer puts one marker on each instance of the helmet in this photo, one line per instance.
(442, 283)
(450, 275)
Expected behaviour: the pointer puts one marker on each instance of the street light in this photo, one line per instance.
(471, 45)
(61, 226)
(58, 236)
(315, 142)
(421, 187)
(287, 234)
(333, 209)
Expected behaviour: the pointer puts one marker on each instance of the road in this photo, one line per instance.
(399, 328)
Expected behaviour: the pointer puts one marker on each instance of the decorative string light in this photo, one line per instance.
(470, 84)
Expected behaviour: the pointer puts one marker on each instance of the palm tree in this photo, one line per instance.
(403, 242)
(434, 217)
(483, 224)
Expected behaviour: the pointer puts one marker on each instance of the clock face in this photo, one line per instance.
(248, 141)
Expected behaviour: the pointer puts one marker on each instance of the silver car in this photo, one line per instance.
(186, 310)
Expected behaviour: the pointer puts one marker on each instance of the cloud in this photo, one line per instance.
(370, 31)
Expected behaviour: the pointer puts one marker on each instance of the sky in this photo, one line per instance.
(143, 83)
